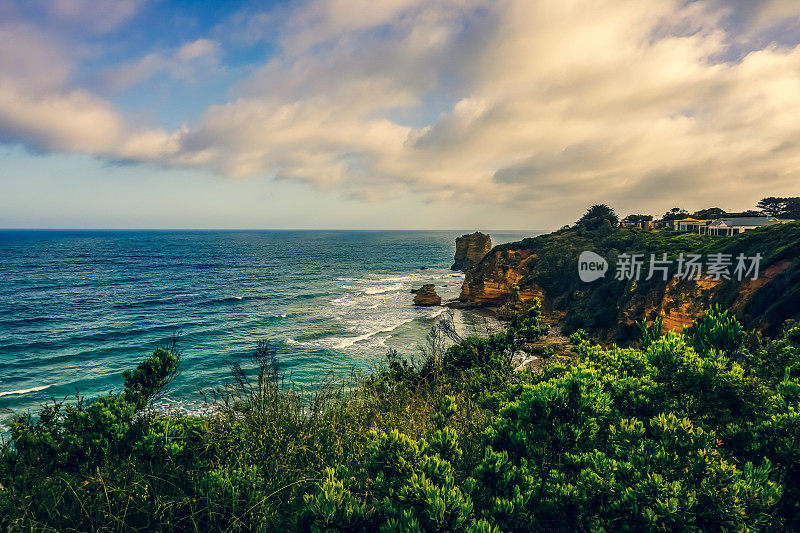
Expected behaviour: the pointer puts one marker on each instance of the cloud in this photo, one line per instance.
(536, 104)
(31, 58)
(96, 16)
(39, 108)
(76, 121)
(326, 116)
(184, 63)
(554, 99)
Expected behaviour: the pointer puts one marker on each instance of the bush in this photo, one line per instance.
(694, 431)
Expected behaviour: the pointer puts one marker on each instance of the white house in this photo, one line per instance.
(725, 226)
(736, 225)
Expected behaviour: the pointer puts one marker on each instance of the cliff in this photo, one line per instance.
(546, 267)
(470, 249)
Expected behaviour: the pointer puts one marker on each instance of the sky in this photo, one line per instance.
(392, 114)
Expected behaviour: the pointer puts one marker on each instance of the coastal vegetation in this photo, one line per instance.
(690, 431)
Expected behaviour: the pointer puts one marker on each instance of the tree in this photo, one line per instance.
(780, 207)
(675, 213)
(711, 212)
(597, 215)
(527, 328)
(639, 218)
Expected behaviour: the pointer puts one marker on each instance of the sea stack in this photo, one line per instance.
(427, 297)
(470, 249)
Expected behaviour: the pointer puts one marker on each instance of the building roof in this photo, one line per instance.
(692, 221)
(744, 221)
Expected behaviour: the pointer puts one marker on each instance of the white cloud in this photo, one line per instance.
(771, 12)
(76, 121)
(72, 121)
(557, 102)
(545, 104)
(39, 108)
(186, 63)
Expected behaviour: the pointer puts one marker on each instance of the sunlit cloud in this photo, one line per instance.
(540, 104)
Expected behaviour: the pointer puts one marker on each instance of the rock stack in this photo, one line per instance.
(470, 249)
(427, 297)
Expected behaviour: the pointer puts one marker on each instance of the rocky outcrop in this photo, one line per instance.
(470, 249)
(499, 282)
(427, 297)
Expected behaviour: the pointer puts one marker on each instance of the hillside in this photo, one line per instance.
(547, 267)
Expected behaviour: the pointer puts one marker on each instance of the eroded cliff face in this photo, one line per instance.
(470, 249)
(498, 282)
(509, 280)
(681, 303)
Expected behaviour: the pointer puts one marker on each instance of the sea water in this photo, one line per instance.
(77, 308)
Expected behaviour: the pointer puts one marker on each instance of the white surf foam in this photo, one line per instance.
(23, 391)
(380, 289)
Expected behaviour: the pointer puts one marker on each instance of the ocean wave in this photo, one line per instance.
(155, 301)
(23, 391)
(310, 296)
(204, 266)
(438, 312)
(335, 339)
(183, 406)
(70, 339)
(380, 289)
(350, 341)
(405, 277)
(319, 335)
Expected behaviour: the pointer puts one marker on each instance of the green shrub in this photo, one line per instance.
(691, 432)
(717, 330)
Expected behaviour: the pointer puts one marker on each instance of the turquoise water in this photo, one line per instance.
(79, 307)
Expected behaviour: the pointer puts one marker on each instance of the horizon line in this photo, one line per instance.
(271, 229)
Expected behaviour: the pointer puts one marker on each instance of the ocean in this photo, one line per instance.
(77, 308)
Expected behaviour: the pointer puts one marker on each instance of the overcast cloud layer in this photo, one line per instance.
(539, 104)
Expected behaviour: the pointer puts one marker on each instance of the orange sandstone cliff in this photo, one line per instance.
(511, 276)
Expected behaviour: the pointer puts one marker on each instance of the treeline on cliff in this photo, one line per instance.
(596, 307)
(692, 432)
